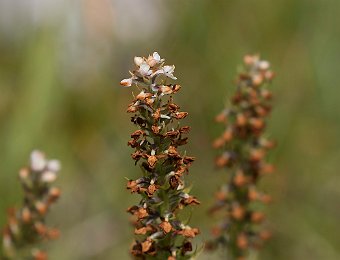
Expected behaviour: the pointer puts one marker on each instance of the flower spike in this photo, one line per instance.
(243, 150)
(26, 226)
(159, 231)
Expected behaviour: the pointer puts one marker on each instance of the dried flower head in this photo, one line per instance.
(26, 226)
(243, 151)
(160, 233)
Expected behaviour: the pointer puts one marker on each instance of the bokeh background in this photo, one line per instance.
(60, 66)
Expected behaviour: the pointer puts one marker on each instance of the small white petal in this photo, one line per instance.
(138, 60)
(172, 173)
(180, 187)
(159, 71)
(264, 65)
(53, 165)
(126, 82)
(165, 117)
(186, 195)
(156, 56)
(156, 235)
(144, 69)
(154, 88)
(169, 69)
(154, 60)
(49, 176)
(38, 161)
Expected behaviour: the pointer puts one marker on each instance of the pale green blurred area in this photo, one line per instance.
(59, 83)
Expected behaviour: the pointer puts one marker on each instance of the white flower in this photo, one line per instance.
(126, 82)
(38, 161)
(263, 65)
(168, 71)
(155, 59)
(156, 56)
(53, 165)
(144, 69)
(138, 61)
(48, 176)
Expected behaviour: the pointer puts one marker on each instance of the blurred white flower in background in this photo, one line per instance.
(86, 34)
(15, 13)
(138, 19)
(127, 19)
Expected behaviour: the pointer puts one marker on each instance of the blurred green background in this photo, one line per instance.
(60, 67)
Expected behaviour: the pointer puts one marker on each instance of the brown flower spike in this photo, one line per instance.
(160, 234)
(243, 150)
(26, 226)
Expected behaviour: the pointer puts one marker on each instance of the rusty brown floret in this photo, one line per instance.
(243, 149)
(159, 231)
(26, 226)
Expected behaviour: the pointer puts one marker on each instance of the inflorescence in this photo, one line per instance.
(26, 225)
(243, 150)
(160, 233)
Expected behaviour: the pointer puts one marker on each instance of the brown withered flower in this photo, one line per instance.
(159, 231)
(243, 149)
(26, 225)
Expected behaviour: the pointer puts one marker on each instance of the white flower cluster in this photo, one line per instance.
(48, 168)
(259, 69)
(148, 69)
(254, 60)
